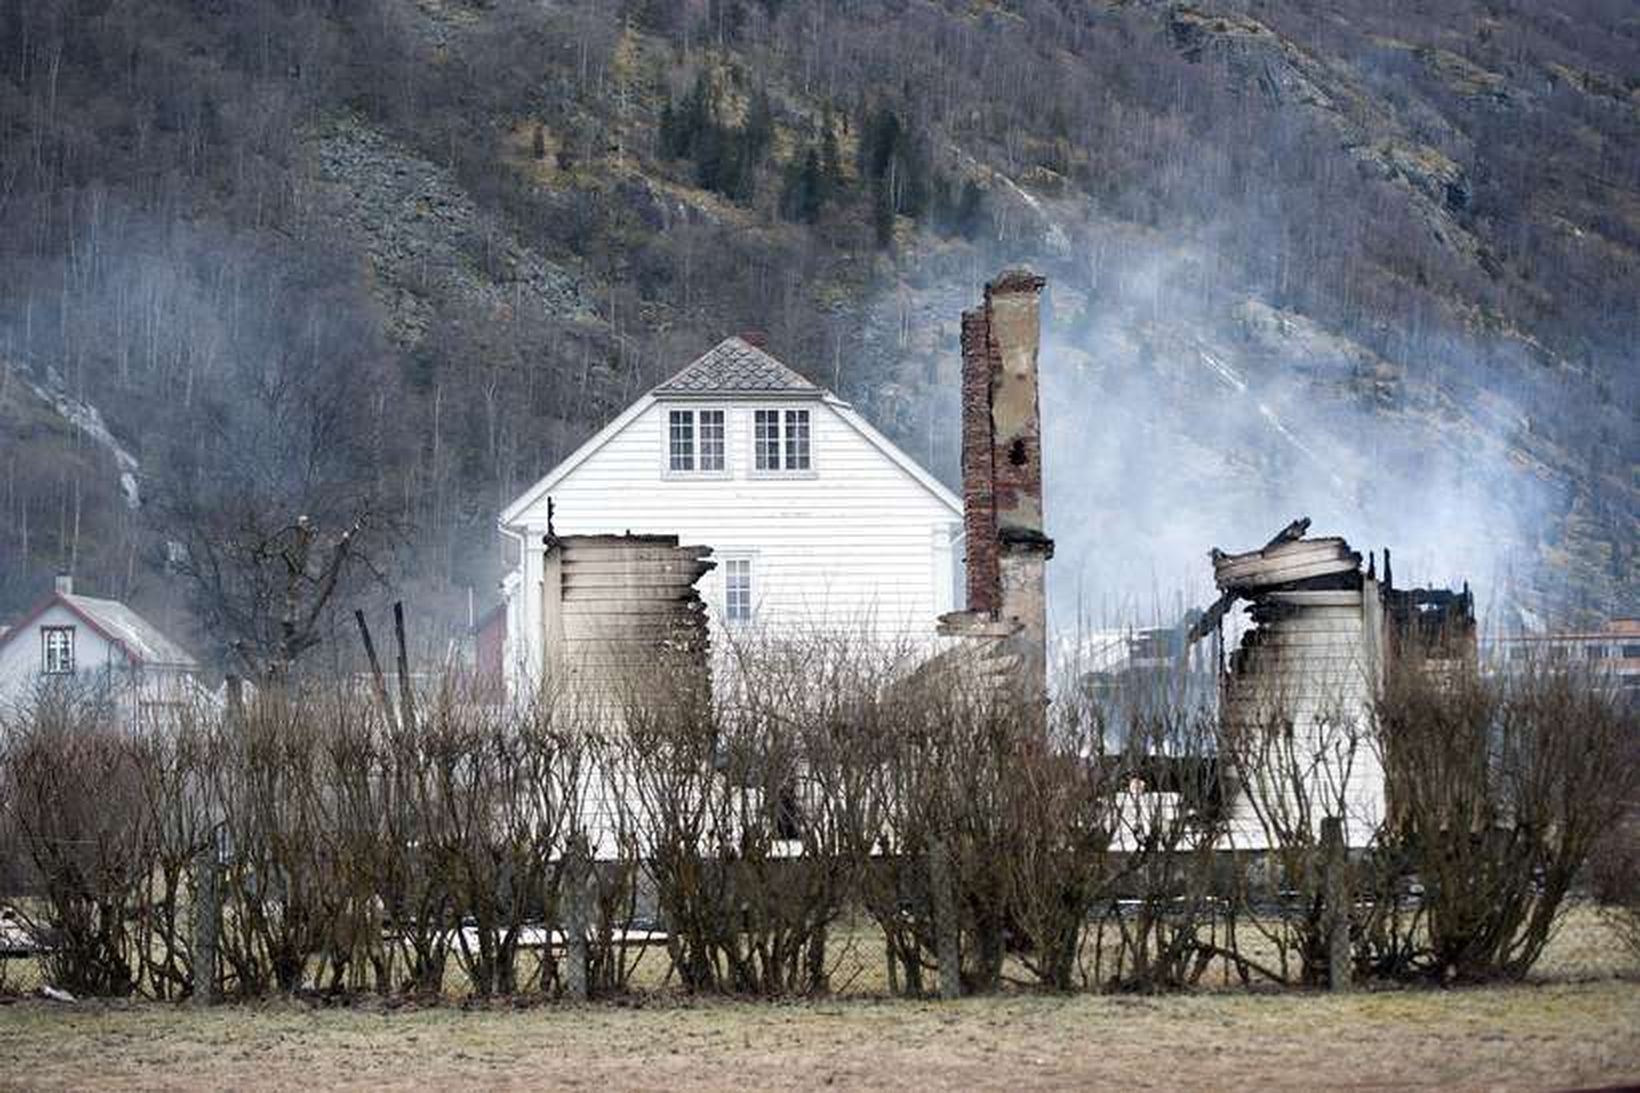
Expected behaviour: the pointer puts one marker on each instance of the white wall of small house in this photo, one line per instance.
(98, 664)
(856, 544)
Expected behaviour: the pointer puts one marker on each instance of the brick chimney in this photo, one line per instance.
(979, 514)
(1007, 547)
(757, 339)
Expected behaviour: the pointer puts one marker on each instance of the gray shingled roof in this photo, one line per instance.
(733, 367)
(139, 636)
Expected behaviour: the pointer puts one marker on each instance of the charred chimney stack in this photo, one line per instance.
(1007, 546)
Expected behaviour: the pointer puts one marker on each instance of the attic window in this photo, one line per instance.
(694, 441)
(781, 440)
(58, 644)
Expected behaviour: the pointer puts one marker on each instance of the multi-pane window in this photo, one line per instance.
(694, 440)
(59, 649)
(681, 440)
(711, 440)
(737, 589)
(781, 440)
(797, 440)
(766, 439)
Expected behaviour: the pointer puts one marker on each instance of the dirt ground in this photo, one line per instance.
(1526, 1037)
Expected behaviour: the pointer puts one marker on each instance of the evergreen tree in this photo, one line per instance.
(970, 212)
(831, 160)
(803, 192)
(791, 181)
(758, 133)
(811, 191)
(708, 153)
(879, 141)
(697, 118)
(911, 168)
(882, 212)
(670, 140)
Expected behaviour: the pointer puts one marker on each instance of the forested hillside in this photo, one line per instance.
(1376, 263)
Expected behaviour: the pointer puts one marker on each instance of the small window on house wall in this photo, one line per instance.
(694, 441)
(737, 589)
(781, 440)
(59, 650)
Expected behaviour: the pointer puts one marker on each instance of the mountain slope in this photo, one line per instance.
(1376, 265)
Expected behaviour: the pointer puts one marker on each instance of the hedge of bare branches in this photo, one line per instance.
(817, 800)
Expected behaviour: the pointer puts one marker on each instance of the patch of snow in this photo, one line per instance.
(1226, 373)
(1056, 237)
(89, 420)
(1233, 379)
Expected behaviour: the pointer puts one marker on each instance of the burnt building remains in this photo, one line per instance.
(619, 611)
(1296, 696)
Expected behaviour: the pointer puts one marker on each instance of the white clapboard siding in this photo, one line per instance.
(1311, 667)
(859, 543)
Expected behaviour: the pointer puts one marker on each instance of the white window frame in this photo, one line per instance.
(749, 560)
(694, 412)
(46, 634)
(780, 409)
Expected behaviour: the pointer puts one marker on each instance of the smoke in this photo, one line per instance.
(1173, 424)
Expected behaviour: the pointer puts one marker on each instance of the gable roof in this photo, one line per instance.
(736, 367)
(140, 640)
(727, 369)
(910, 466)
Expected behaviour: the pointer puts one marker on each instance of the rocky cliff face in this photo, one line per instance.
(1301, 258)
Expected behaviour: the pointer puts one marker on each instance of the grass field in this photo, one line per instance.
(1576, 1024)
(1526, 1037)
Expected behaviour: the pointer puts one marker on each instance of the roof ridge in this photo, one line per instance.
(735, 366)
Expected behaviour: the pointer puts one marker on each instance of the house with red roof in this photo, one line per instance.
(98, 649)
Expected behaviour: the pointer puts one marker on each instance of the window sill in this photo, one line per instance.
(784, 474)
(695, 476)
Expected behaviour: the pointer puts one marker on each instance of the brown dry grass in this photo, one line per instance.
(1529, 1037)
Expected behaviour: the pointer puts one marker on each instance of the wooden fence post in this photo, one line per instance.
(573, 899)
(207, 923)
(947, 933)
(1336, 890)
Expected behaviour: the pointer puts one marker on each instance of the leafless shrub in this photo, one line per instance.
(1169, 821)
(1499, 790)
(1615, 879)
(169, 758)
(76, 802)
(748, 810)
(1061, 828)
(1091, 842)
(937, 782)
(1293, 774)
(270, 782)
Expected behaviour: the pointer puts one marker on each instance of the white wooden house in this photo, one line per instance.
(814, 518)
(101, 650)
